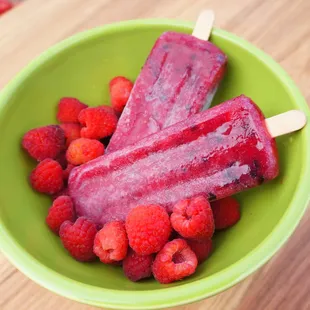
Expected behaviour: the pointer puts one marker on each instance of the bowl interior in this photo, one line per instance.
(83, 70)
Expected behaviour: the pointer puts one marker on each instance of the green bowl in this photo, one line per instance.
(82, 66)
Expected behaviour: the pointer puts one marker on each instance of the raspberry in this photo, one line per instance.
(67, 172)
(5, 6)
(148, 228)
(202, 248)
(193, 218)
(78, 238)
(137, 267)
(111, 243)
(72, 131)
(47, 177)
(44, 142)
(99, 122)
(82, 150)
(120, 89)
(226, 212)
(61, 210)
(174, 262)
(69, 109)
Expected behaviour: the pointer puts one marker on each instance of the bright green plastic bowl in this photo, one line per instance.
(82, 66)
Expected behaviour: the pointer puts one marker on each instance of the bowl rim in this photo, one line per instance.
(184, 293)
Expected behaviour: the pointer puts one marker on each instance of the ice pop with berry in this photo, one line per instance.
(179, 78)
(217, 152)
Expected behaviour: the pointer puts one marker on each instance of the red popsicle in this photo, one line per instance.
(179, 78)
(218, 152)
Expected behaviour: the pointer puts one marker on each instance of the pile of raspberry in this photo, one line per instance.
(80, 136)
(150, 242)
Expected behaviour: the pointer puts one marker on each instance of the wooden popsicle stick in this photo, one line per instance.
(285, 123)
(204, 25)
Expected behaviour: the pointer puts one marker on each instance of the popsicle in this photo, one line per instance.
(217, 152)
(179, 78)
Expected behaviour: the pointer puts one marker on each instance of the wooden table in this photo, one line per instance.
(279, 27)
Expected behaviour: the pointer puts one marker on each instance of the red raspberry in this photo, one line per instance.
(202, 248)
(148, 228)
(111, 242)
(44, 142)
(69, 109)
(99, 122)
(47, 177)
(5, 5)
(120, 89)
(174, 262)
(193, 218)
(82, 150)
(61, 210)
(67, 172)
(72, 131)
(226, 212)
(137, 267)
(78, 238)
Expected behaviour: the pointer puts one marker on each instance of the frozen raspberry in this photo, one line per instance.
(175, 261)
(67, 172)
(111, 242)
(5, 5)
(202, 248)
(61, 210)
(226, 212)
(44, 142)
(47, 177)
(193, 218)
(137, 267)
(99, 123)
(148, 228)
(72, 131)
(82, 150)
(120, 89)
(69, 109)
(78, 238)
